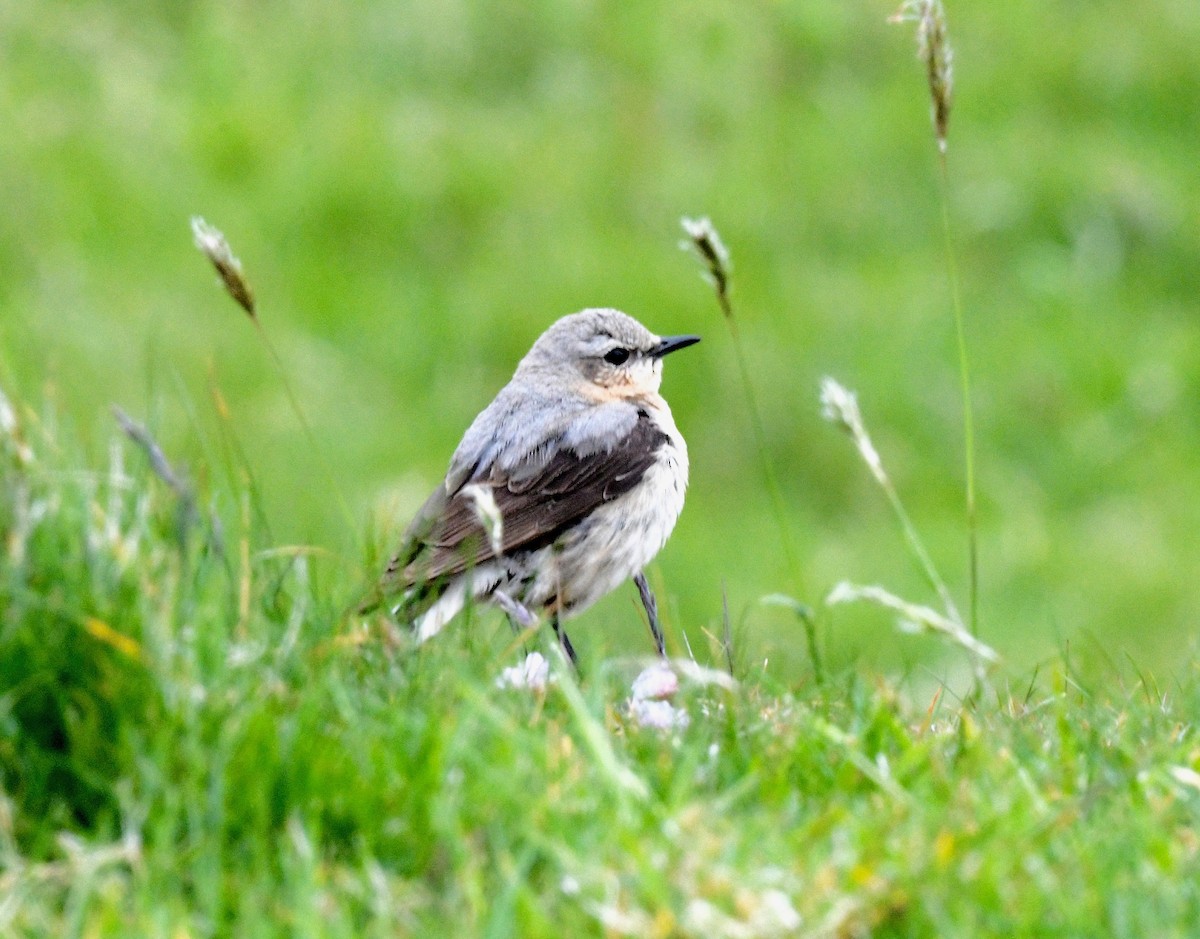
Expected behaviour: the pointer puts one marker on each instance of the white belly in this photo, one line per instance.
(619, 539)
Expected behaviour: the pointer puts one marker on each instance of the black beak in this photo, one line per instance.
(671, 343)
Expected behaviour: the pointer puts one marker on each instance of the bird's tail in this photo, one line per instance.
(425, 607)
(429, 623)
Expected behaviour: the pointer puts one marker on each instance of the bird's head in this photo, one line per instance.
(603, 354)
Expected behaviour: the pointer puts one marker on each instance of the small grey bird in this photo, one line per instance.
(564, 487)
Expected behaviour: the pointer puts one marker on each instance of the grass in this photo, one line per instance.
(192, 742)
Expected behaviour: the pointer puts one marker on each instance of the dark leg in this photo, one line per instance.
(566, 642)
(651, 606)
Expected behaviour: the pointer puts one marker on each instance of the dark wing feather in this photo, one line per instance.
(536, 509)
(412, 543)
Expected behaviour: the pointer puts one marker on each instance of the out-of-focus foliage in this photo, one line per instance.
(418, 189)
(192, 743)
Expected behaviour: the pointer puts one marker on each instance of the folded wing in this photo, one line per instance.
(448, 539)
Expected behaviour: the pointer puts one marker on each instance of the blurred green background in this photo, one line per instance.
(418, 188)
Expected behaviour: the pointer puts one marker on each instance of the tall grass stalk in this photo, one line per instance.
(704, 240)
(840, 407)
(213, 245)
(968, 410)
(937, 55)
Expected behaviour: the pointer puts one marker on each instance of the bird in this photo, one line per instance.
(564, 487)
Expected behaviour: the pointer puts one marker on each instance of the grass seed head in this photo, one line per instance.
(935, 52)
(212, 244)
(913, 617)
(839, 406)
(487, 513)
(704, 240)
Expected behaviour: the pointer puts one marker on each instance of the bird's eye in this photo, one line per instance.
(616, 356)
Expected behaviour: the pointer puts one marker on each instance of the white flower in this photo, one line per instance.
(657, 682)
(532, 674)
(660, 715)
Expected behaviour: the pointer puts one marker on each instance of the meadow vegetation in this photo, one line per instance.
(194, 743)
